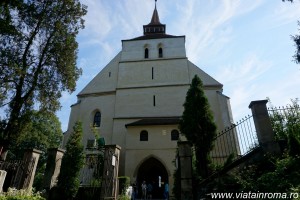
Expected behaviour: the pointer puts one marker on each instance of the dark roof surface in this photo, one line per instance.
(155, 121)
(153, 36)
(155, 18)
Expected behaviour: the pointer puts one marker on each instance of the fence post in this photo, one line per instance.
(31, 159)
(2, 179)
(52, 167)
(186, 175)
(264, 130)
(109, 189)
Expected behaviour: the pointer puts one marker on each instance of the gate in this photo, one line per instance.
(18, 173)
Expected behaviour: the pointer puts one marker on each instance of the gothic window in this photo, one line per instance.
(97, 119)
(174, 135)
(144, 135)
(160, 52)
(146, 53)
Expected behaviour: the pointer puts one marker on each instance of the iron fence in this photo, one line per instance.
(235, 141)
(18, 173)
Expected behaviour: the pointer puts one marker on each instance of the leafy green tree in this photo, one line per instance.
(38, 52)
(72, 162)
(197, 124)
(40, 130)
(296, 39)
(286, 120)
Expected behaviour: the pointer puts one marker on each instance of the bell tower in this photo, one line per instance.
(154, 27)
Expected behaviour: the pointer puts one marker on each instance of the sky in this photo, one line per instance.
(244, 44)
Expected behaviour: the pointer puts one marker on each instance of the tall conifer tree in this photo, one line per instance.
(197, 124)
(72, 162)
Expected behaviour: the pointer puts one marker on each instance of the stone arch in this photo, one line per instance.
(146, 158)
(154, 172)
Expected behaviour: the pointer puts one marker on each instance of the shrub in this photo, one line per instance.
(124, 182)
(14, 194)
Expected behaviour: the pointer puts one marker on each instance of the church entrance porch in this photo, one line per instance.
(153, 172)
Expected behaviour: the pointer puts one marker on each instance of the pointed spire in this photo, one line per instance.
(154, 27)
(155, 17)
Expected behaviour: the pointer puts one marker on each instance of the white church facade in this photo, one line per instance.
(136, 102)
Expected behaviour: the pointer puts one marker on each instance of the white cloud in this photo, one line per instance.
(207, 25)
(245, 72)
(286, 13)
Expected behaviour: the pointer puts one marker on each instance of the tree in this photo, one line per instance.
(296, 39)
(286, 120)
(72, 162)
(197, 124)
(38, 52)
(40, 130)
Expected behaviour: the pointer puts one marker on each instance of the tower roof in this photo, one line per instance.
(155, 17)
(154, 27)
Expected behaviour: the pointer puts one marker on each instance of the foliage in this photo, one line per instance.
(296, 39)
(38, 182)
(40, 130)
(124, 182)
(273, 174)
(38, 52)
(72, 162)
(286, 120)
(14, 194)
(123, 197)
(197, 124)
(270, 173)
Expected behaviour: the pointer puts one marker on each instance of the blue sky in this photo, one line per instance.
(244, 44)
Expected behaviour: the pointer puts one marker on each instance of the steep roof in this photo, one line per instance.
(155, 17)
(155, 121)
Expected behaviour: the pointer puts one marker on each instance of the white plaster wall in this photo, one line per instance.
(84, 112)
(165, 72)
(105, 80)
(206, 79)
(139, 102)
(134, 49)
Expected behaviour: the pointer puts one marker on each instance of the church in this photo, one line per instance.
(136, 102)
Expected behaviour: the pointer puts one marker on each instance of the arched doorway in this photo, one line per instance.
(154, 172)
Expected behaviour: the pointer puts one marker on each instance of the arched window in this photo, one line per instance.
(160, 52)
(146, 53)
(144, 135)
(174, 135)
(97, 119)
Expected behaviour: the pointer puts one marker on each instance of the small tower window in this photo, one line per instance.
(160, 52)
(152, 73)
(174, 135)
(146, 53)
(144, 135)
(97, 119)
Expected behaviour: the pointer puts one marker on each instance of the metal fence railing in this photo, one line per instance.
(235, 141)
